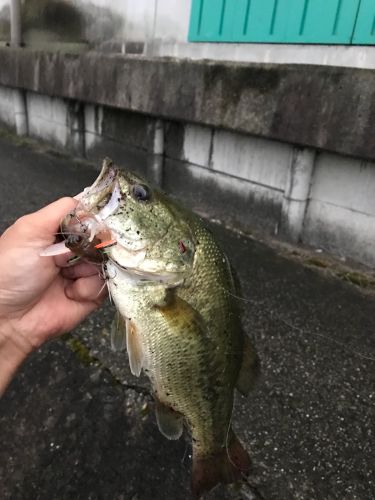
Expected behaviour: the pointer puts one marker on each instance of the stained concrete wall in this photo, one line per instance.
(48, 118)
(321, 107)
(145, 20)
(7, 109)
(301, 194)
(341, 210)
(125, 136)
(330, 55)
(269, 146)
(156, 28)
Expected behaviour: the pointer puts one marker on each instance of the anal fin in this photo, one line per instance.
(249, 368)
(170, 422)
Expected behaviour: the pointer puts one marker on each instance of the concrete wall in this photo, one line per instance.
(321, 107)
(47, 118)
(341, 209)
(124, 136)
(285, 149)
(330, 55)
(145, 20)
(7, 109)
(156, 28)
(302, 194)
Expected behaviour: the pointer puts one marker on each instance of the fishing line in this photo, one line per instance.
(245, 478)
(105, 276)
(185, 455)
(105, 284)
(63, 233)
(227, 440)
(296, 328)
(331, 339)
(249, 301)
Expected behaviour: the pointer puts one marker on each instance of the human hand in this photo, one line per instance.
(39, 298)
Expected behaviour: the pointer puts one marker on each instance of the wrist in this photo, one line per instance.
(13, 351)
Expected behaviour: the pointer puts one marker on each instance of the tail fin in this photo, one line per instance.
(227, 466)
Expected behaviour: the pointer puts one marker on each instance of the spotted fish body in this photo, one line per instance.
(190, 352)
(177, 313)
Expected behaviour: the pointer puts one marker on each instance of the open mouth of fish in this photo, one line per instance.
(88, 220)
(84, 229)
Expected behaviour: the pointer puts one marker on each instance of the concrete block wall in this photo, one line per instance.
(7, 108)
(125, 136)
(89, 130)
(248, 172)
(318, 198)
(48, 118)
(93, 124)
(341, 211)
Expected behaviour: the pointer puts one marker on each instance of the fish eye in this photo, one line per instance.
(141, 192)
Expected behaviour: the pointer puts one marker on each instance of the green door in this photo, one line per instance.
(322, 21)
(364, 32)
(257, 21)
(283, 21)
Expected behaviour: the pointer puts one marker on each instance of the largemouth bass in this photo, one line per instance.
(177, 313)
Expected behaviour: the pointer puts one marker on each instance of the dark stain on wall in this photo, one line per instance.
(58, 18)
(323, 107)
(62, 21)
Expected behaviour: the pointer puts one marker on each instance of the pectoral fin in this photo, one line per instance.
(170, 422)
(249, 368)
(118, 333)
(134, 348)
(182, 317)
(124, 333)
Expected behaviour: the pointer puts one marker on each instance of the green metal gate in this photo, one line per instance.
(283, 21)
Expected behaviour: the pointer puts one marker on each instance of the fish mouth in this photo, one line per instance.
(107, 175)
(84, 229)
(104, 195)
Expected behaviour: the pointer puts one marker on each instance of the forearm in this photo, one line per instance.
(13, 351)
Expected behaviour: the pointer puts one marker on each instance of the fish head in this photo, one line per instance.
(148, 236)
(153, 240)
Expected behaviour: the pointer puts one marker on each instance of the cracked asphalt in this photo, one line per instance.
(75, 423)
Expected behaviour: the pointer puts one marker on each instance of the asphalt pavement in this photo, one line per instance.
(76, 424)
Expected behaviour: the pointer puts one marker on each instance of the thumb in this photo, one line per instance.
(44, 223)
(50, 216)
